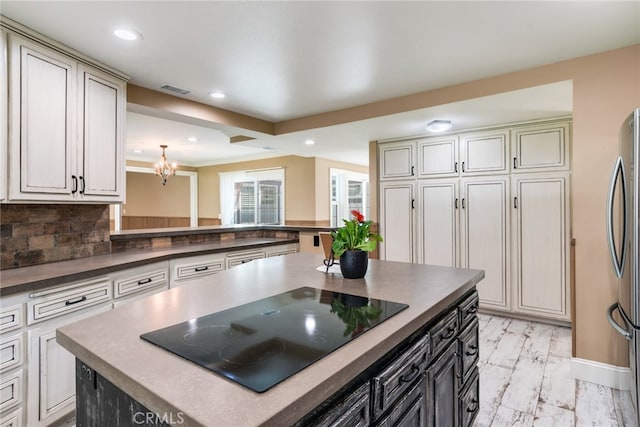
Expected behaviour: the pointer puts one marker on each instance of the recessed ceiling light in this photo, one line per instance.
(217, 95)
(128, 35)
(192, 139)
(137, 150)
(309, 142)
(439, 125)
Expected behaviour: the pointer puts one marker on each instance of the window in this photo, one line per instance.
(252, 197)
(349, 190)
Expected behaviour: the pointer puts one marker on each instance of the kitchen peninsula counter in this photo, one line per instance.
(110, 343)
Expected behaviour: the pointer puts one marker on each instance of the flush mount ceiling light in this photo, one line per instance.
(309, 142)
(163, 169)
(192, 139)
(439, 125)
(126, 34)
(218, 95)
(137, 150)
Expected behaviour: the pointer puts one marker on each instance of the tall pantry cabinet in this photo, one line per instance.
(493, 199)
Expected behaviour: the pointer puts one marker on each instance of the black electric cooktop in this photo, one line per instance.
(262, 343)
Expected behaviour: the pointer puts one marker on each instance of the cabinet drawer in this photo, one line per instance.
(11, 351)
(48, 305)
(352, 411)
(235, 259)
(187, 271)
(469, 401)
(11, 390)
(444, 332)
(11, 318)
(468, 310)
(410, 410)
(14, 419)
(398, 377)
(140, 282)
(468, 345)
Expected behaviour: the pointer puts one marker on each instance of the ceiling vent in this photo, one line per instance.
(176, 90)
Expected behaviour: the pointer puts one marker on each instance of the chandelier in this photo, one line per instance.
(163, 169)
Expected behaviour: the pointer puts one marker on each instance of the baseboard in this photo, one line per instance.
(601, 373)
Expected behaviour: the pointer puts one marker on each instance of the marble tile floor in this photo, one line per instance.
(525, 380)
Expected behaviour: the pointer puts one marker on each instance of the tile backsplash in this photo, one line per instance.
(36, 234)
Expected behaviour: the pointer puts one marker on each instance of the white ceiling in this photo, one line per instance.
(283, 60)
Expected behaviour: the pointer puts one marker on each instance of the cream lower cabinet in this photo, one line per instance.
(397, 205)
(540, 217)
(465, 223)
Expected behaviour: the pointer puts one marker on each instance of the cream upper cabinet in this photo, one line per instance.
(66, 127)
(438, 157)
(397, 204)
(484, 153)
(42, 102)
(438, 206)
(540, 205)
(396, 160)
(539, 148)
(4, 82)
(485, 236)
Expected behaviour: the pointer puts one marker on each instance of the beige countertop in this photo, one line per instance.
(165, 383)
(37, 277)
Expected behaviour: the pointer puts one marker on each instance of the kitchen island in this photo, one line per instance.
(441, 303)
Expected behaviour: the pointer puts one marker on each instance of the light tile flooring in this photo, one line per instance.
(525, 380)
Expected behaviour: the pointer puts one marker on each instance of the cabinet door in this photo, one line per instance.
(51, 390)
(42, 105)
(397, 160)
(442, 390)
(101, 130)
(438, 157)
(438, 205)
(484, 153)
(540, 148)
(397, 204)
(541, 243)
(4, 130)
(484, 234)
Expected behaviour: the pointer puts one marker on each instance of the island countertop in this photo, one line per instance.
(110, 342)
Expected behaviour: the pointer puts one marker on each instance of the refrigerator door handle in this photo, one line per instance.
(618, 261)
(622, 331)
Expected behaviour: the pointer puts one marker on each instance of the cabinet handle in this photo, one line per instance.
(75, 301)
(81, 184)
(74, 180)
(473, 350)
(415, 371)
(412, 168)
(413, 203)
(456, 203)
(474, 406)
(144, 281)
(473, 310)
(463, 203)
(462, 167)
(455, 167)
(450, 332)
(197, 269)
(515, 166)
(515, 202)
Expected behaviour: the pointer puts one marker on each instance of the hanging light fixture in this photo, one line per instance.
(163, 169)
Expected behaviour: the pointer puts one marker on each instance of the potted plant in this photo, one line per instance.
(352, 244)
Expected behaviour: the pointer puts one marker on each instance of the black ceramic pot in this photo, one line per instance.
(353, 264)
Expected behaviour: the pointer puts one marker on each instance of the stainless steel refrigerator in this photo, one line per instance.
(622, 226)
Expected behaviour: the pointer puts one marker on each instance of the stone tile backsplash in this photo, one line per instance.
(37, 234)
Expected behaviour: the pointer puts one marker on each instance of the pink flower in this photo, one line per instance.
(357, 215)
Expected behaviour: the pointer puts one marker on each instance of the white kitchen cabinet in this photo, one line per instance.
(541, 147)
(133, 281)
(438, 157)
(13, 419)
(237, 258)
(397, 204)
(438, 206)
(66, 127)
(289, 248)
(4, 123)
(484, 153)
(190, 269)
(540, 205)
(51, 379)
(484, 208)
(396, 160)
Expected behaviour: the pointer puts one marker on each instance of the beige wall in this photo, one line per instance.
(323, 185)
(146, 196)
